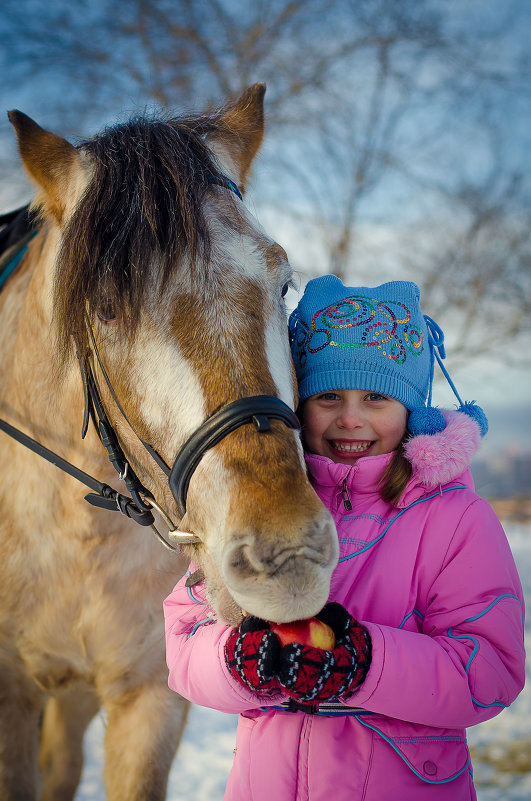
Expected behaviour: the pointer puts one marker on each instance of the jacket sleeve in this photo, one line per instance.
(195, 654)
(467, 662)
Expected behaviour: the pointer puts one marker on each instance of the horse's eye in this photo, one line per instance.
(107, 315)
(285, 289)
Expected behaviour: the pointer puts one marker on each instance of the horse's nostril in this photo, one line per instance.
(243, 562)
(257, 557)
(279, 577)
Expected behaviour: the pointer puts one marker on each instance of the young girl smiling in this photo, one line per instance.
(374, 424)
(425, 603)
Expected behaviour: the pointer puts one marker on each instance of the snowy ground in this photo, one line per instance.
(502, 746)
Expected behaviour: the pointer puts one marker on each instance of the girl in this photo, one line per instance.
(425, 603)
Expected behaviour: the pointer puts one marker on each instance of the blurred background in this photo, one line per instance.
(397, 146)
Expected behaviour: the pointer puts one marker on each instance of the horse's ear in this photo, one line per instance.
(49, 159)
(241, 132)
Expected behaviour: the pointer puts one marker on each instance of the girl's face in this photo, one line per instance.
(346, 424)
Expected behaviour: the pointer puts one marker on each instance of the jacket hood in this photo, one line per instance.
(439, 458)
(436, 459)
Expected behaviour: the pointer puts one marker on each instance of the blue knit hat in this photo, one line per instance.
(371, 338)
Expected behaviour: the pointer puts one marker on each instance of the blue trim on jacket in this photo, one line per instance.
(476, 643)
(402, 511)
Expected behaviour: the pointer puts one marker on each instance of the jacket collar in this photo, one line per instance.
(362, 476)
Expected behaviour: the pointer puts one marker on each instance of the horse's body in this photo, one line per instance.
(182, 292)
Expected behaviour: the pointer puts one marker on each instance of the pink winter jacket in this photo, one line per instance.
(434, 582)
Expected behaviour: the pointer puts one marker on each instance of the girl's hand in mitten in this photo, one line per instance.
(251, 654)
(313, 675)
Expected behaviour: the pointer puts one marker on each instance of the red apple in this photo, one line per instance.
(308, 632)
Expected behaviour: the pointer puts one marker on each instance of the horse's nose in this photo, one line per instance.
(271, 575)
(252, 556)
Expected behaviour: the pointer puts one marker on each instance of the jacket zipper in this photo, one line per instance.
(347, 503)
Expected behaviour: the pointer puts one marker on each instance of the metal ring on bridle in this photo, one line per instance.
(176, 535)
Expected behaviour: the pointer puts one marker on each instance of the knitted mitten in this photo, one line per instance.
(313, 675)
(251, 654)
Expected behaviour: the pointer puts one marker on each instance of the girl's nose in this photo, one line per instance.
(350, 416)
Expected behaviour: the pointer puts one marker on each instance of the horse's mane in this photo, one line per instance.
(142, 211)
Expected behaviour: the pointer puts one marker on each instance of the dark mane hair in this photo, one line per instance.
(143, 203)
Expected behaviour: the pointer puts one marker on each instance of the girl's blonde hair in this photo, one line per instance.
(396, 475)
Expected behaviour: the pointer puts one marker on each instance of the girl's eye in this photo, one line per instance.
(328, 396)
(375, 396)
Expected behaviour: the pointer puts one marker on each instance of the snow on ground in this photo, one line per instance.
(200, 771)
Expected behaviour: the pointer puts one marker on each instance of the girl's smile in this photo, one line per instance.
(346, 424)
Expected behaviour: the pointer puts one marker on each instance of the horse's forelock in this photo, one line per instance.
(140, 214)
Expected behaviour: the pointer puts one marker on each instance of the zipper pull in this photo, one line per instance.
(347, 503)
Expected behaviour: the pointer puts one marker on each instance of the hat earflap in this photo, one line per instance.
(428, 419)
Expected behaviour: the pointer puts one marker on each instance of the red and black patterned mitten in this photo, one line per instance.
(251, 654)
(313, 675)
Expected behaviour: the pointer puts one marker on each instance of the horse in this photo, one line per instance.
(150, 302)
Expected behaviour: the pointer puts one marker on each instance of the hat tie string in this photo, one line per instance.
(437, 351)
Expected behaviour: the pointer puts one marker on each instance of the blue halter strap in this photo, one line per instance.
(222, 180)
(9, 267)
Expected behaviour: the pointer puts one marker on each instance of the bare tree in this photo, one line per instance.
(384, 115)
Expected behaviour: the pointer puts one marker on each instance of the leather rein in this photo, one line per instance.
(257, 409)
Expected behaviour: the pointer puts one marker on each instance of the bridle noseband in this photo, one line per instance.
(257, 409)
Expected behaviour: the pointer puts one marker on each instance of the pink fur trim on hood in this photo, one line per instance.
(439, 458)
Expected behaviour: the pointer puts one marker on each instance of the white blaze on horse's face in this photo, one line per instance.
(256, 260)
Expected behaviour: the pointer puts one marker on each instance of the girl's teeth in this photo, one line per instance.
(351, 447)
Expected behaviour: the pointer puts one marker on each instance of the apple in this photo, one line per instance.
(308, 632)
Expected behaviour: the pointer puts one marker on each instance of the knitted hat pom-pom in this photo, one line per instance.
(425, 420)
(476, 413)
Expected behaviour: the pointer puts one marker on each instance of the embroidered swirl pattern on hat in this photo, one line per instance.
(384, 324)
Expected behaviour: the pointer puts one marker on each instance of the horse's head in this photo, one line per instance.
(158, 265)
